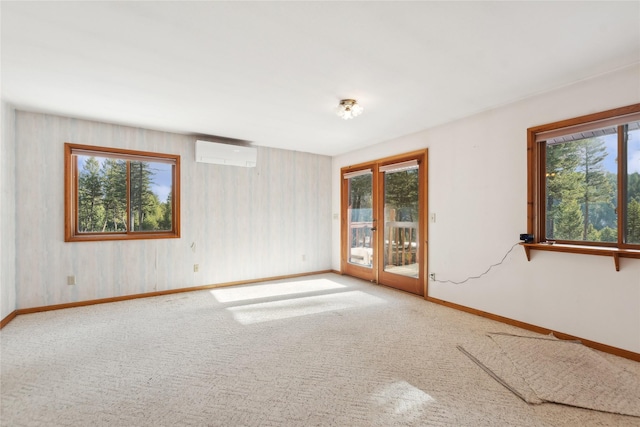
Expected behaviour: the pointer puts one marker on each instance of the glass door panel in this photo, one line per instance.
(360, 220)
(401, 221)
(358, 224)
(402, 235)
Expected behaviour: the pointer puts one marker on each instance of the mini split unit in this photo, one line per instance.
(226, 154)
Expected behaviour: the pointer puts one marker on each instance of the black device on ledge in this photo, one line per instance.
(526, 238)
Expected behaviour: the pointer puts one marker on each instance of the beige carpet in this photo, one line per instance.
(323, 350)
(545, 369)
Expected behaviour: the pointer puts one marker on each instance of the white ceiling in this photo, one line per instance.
(272, 73)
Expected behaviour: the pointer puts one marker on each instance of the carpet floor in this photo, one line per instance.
(546, 369)
(323, 350)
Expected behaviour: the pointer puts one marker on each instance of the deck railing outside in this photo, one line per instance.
(401, 243)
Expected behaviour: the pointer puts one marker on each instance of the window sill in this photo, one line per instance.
(615, 253)
(97, 237)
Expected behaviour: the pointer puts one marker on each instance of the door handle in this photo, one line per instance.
(373, 229)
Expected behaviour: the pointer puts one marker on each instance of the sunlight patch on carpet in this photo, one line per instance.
(242, 293)
(403, 397)
(403, 402)
(296, 307)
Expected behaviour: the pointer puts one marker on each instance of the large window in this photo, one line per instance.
(584, 180)
(113, 194)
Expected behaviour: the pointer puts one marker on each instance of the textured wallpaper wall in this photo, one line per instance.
(236, 223)
(7, 212)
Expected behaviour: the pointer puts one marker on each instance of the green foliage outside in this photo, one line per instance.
(102, 198)
(360, 203)
(401, 194)
(582, 196)
(633, 221)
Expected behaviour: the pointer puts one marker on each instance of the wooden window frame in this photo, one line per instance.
(536, 190)
(71, 202)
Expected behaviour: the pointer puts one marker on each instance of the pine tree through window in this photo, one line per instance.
(585, 180)
(116, 194)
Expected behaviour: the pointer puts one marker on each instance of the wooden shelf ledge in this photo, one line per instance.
(615, 253)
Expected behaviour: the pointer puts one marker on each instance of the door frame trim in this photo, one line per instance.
(423, 158)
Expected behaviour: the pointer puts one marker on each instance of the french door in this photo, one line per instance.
(383, 221)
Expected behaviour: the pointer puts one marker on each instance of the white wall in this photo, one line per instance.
(246, 223)
(477, 188)
(7, 212)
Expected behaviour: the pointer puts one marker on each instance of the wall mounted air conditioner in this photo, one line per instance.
(226, 154)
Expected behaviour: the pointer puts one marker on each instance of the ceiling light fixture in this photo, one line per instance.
(348, 109)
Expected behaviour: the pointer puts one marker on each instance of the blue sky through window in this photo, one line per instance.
(633, 152)
(161, 181)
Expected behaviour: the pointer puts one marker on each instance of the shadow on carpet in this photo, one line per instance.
(546, 369)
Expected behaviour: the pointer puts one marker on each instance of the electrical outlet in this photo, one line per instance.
(432, 276)
(304, 257)
(71, 280)
(196, 268)
(432, 217)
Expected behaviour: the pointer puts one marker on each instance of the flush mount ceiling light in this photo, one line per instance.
(348, 109)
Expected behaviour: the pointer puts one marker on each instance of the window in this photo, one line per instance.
(584, 180)
(115, 194)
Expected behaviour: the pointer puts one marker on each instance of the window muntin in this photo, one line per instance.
(114, 194)
(584, 180)
(632, 196)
